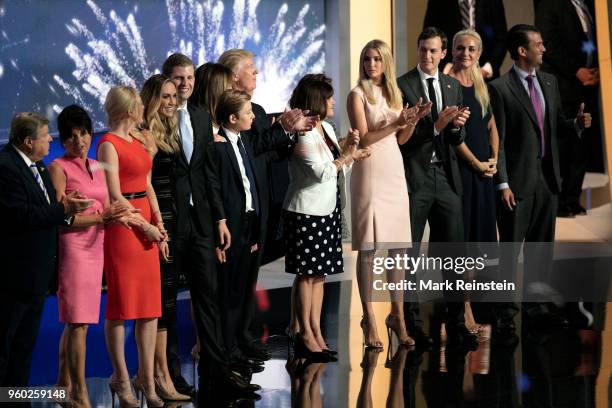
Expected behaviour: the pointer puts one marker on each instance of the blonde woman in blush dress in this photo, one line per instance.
(380, 209)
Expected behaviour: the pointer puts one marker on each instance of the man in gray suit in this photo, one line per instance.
(527, 108)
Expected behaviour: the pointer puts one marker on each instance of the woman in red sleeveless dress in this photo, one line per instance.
(131, 259)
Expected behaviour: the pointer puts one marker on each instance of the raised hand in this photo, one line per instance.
(296, 120)
(461, 117)
(351, 143)
(407, 115)
(445, 117)
(424, 109)
(583, 119)
(75, 203)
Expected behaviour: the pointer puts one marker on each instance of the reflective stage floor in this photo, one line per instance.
(558, 368)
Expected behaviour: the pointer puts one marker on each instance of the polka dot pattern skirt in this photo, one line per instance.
(314, 243)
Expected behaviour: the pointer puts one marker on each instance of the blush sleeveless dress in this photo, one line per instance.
(380, 209)
(81, 250)
(131, 262)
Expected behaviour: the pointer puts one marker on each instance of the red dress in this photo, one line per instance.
(131, 262)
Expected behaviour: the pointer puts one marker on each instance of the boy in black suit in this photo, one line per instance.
(242, 175)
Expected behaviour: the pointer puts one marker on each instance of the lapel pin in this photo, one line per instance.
(448, 86)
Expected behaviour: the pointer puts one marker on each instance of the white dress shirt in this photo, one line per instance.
(234, 140)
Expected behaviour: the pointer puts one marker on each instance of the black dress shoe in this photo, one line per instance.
(230, 382)
(182, 386)
(245, 365)
(255, 352)
(459, 337)
(565, 212)
(421, 339)
(504, 327)
(578, 210)
(543, 316)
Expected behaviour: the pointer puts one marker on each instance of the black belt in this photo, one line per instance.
(130, 196)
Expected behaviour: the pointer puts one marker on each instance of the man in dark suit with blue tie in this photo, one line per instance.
(432, 170)
(29, 217)
(527, 108)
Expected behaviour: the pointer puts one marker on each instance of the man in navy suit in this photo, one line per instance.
(29, 217)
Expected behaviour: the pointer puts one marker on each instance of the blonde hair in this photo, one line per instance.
(232, 58)
(119, 101)
(163, 129)
(390, 90)
(480, 87)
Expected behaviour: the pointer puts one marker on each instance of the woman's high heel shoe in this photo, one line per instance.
(393, 324)
(141, 390)
(365, 326)
(301, 350)
(167, 395)
(124, 393)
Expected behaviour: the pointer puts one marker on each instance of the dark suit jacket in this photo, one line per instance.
(222, 157)
(417, 151)
(490, 24)
(518, 163)
(564, 40)
(194, 178)
(28, 242)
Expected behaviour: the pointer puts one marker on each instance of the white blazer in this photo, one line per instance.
(313, 178)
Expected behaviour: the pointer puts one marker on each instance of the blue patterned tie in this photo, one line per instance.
(186, 136)
(39, 180)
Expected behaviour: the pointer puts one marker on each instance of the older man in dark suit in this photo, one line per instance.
(29, 217)
(487, 17)
(432, 171)
(527, 108)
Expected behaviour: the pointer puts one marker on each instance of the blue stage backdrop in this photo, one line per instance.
(55, 53)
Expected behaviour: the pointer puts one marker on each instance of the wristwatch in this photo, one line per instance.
(69, 221)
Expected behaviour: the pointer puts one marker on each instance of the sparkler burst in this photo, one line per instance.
(112, 51)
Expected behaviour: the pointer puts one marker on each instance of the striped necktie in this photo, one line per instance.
(39, 180)
(466, 12)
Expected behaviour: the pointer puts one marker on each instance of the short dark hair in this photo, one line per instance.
(433, 32)
(312, 93)
(176, 60)
(230, 103)
(73, 117)
(25, 124)
(518, 36)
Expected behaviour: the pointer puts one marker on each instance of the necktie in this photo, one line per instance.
(465, 11)
(186, 136)
(39, 180)
(434, 116)
(586, 19)
(249, 173)
(537, 107)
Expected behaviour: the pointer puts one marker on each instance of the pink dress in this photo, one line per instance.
(380, 209)
(81, 250)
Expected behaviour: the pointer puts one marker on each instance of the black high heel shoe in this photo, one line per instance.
(315, 356)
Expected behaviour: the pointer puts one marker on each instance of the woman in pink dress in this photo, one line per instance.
(380, 212)
(81, 245)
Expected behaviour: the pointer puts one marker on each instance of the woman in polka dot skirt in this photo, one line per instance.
(312, 221)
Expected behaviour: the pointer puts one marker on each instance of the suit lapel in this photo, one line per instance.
(198, 130)
(414, 82)
(231, 154)
(519, 92)
(28, 175)
(546, 86)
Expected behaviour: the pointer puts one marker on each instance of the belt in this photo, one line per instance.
(130, 196)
